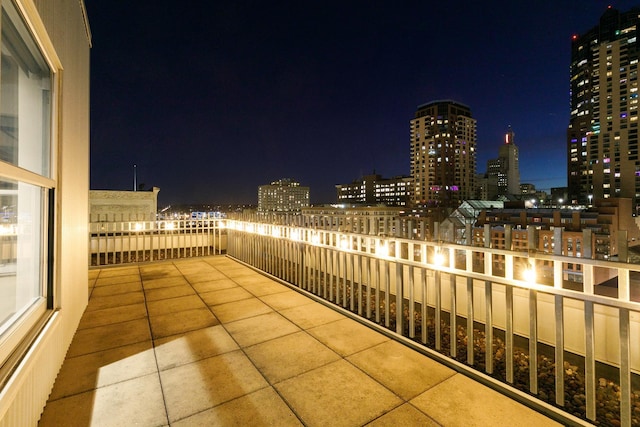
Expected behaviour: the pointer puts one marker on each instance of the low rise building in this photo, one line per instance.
(603, 232)
(119, 206)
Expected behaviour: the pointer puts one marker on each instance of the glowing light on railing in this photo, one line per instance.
(530, 275)
(344, 243)
(222, 224)
(294, 234)
(138, 226)
(261, 230)
(275, 231)
(170, 226)
(382, 248)
(438, 258)
(315, 239)
(249, 228)
(8, 229)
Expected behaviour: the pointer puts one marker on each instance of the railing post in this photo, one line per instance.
(625, 367)
(438, 309)
(412, 322)
(509, 333)
(453, 319)
(589, 361)
(488, 327)
(399, 296)
(559, 348)
(533, 341)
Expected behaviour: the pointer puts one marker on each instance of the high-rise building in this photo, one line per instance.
(374, 189)
(503, 172)
(284, 195)
(443, 153)
(602, 138)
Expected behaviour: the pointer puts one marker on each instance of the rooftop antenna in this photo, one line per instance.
(135, 178)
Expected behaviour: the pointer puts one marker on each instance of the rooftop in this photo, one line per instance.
(209, 341)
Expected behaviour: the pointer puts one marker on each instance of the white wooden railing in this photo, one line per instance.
(568, 347)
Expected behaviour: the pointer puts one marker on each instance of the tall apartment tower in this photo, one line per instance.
(503, 173)
(602, 138)
(443, 153)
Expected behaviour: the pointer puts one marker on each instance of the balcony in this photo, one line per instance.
(504, 319)
(210, 341)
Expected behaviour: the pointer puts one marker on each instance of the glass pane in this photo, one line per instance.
(21, 230)
(25, 101)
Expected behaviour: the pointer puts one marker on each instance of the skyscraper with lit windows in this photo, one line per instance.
(443, 153)
(503, 173)
(602, 138)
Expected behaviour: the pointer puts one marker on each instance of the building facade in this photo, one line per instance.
(374, 189)
(284, 195)
(44, 168)
(602, 137)
(118, 206)
(443, 154)
(503, 173)
(604, 232)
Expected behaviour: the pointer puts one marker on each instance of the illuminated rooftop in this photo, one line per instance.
(209, 341)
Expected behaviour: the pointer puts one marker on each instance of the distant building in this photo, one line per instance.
(443, 154)
(284, 195)
(374, 190)
(481, 191)
(456, 228)
(119, 206)
(602, 137)
(559, 196)
(503, 173)
(372, 220)
(602, 232)
(527, 189)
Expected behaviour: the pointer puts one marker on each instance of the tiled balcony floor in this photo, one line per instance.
(208, 341)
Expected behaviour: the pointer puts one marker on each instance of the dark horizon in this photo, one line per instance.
(212, 100)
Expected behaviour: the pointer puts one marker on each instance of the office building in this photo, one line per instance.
(443, 154)
(503, 173)
(602, 137)
(284, 195)
(376, 190)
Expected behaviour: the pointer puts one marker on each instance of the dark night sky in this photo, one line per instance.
(211, 99)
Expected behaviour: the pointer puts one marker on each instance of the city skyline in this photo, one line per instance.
(211, 101)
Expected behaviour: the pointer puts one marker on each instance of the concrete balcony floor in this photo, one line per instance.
(209, 341)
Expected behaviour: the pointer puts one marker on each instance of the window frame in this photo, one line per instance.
(21, 332)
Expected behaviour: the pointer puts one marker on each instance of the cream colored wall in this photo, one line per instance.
(67, 29)
(24, 397)
(120, 206)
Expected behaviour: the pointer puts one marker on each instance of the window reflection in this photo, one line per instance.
(20, 248)
(25, 88)
(25, 132)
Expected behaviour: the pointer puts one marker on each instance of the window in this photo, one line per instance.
(26, 186)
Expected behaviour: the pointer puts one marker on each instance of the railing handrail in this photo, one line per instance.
(345, 267)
